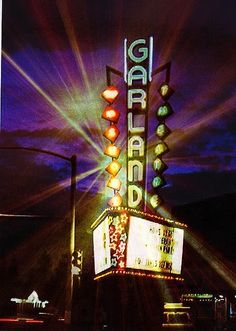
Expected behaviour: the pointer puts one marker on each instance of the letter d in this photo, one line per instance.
(134, 196)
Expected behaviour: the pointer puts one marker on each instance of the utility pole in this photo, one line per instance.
(71, 224)
(0, 66)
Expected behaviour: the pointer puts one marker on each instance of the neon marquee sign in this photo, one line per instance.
(128, 238)
(129, 242)
(137, 74)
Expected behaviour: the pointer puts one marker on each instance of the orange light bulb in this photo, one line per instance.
(111, 114)
(114, 183)
(113, 168)
(115, 201)
(112, 151)
(110, 94)
(111, 133)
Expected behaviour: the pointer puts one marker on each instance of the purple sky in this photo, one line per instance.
(53, 71)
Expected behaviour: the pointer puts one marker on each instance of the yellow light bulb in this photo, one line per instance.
(112, 151)
(115, 201)
(164, 89)
(114, 183)
(113, 168)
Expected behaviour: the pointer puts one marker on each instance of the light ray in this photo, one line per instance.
(206, 119)
(210, 91)
(53, 189)
(51, 102)
(21, 215)
(200, 162)
(63, 9)
(227, 106)
(87, 111)
(90, 186)
(186, 132)
(221, 269)
(177, 28)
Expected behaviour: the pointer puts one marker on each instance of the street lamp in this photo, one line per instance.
(72, 219)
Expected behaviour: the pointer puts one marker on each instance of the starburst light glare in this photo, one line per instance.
(113, 168)
(112, 151)
(51, 102)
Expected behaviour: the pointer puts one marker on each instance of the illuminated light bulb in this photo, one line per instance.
(162, 131)
(155, 201)
(158, 182)
(164, 111)
(115, 201)
(113, 168)
(161, 148)
(114, 183)
(112, 151)
(165, 91)
(111, 114)
(110, 94)
(111, 133)
(159, 165)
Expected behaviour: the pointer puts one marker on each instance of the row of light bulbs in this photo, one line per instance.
(162, 131)
(112, 115)
(138, 273)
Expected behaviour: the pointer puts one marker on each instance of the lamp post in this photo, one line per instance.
(71, 219)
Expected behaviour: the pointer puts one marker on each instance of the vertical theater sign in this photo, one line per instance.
(137, 75)
(130, 237)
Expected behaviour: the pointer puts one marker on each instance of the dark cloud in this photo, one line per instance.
(185, 188)
(98, 23)
(29, 184)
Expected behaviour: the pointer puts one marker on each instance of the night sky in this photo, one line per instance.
(53, 72)
(54, 57)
